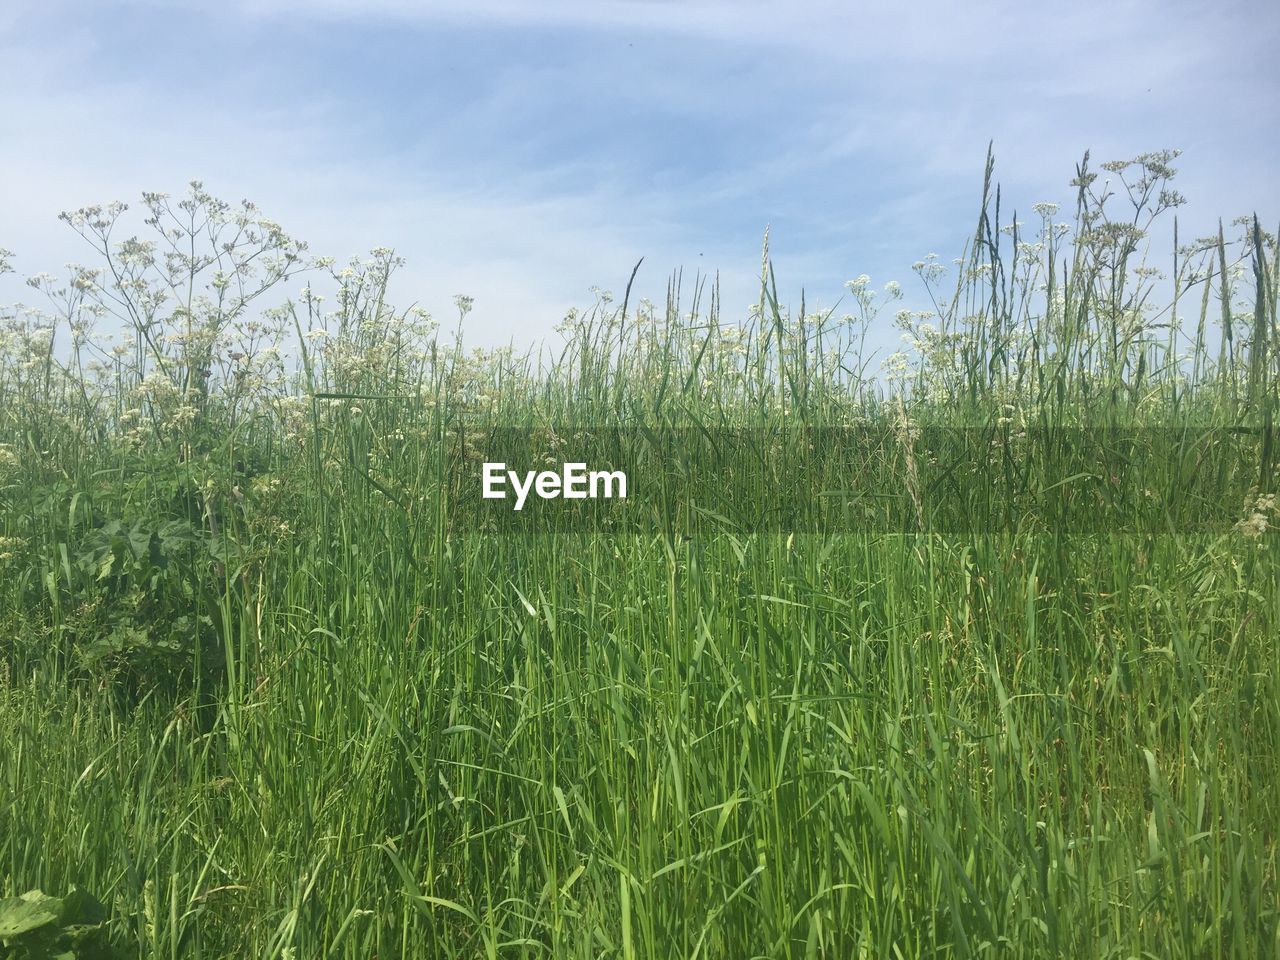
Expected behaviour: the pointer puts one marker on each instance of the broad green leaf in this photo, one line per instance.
(31, 911)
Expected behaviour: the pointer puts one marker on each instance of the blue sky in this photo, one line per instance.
(522, 152)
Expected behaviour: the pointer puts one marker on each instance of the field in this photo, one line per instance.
(966, 653)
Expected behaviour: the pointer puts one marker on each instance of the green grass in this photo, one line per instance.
(270, 686)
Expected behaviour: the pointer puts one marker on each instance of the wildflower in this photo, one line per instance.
(9, 546)
(85, 280)
(1254, 527)
(929, 268)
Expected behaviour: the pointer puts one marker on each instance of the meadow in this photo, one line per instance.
(964, 651)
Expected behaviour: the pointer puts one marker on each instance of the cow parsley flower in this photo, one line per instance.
(1254, 527)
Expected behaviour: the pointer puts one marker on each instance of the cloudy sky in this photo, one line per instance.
(523, 151)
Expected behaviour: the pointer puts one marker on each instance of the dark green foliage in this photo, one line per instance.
(146, 598)
(36, 926)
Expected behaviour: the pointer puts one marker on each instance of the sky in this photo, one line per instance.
(522, 152)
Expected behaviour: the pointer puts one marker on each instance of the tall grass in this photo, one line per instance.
(272, 687)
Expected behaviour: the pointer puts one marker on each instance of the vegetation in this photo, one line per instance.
(274, 683)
